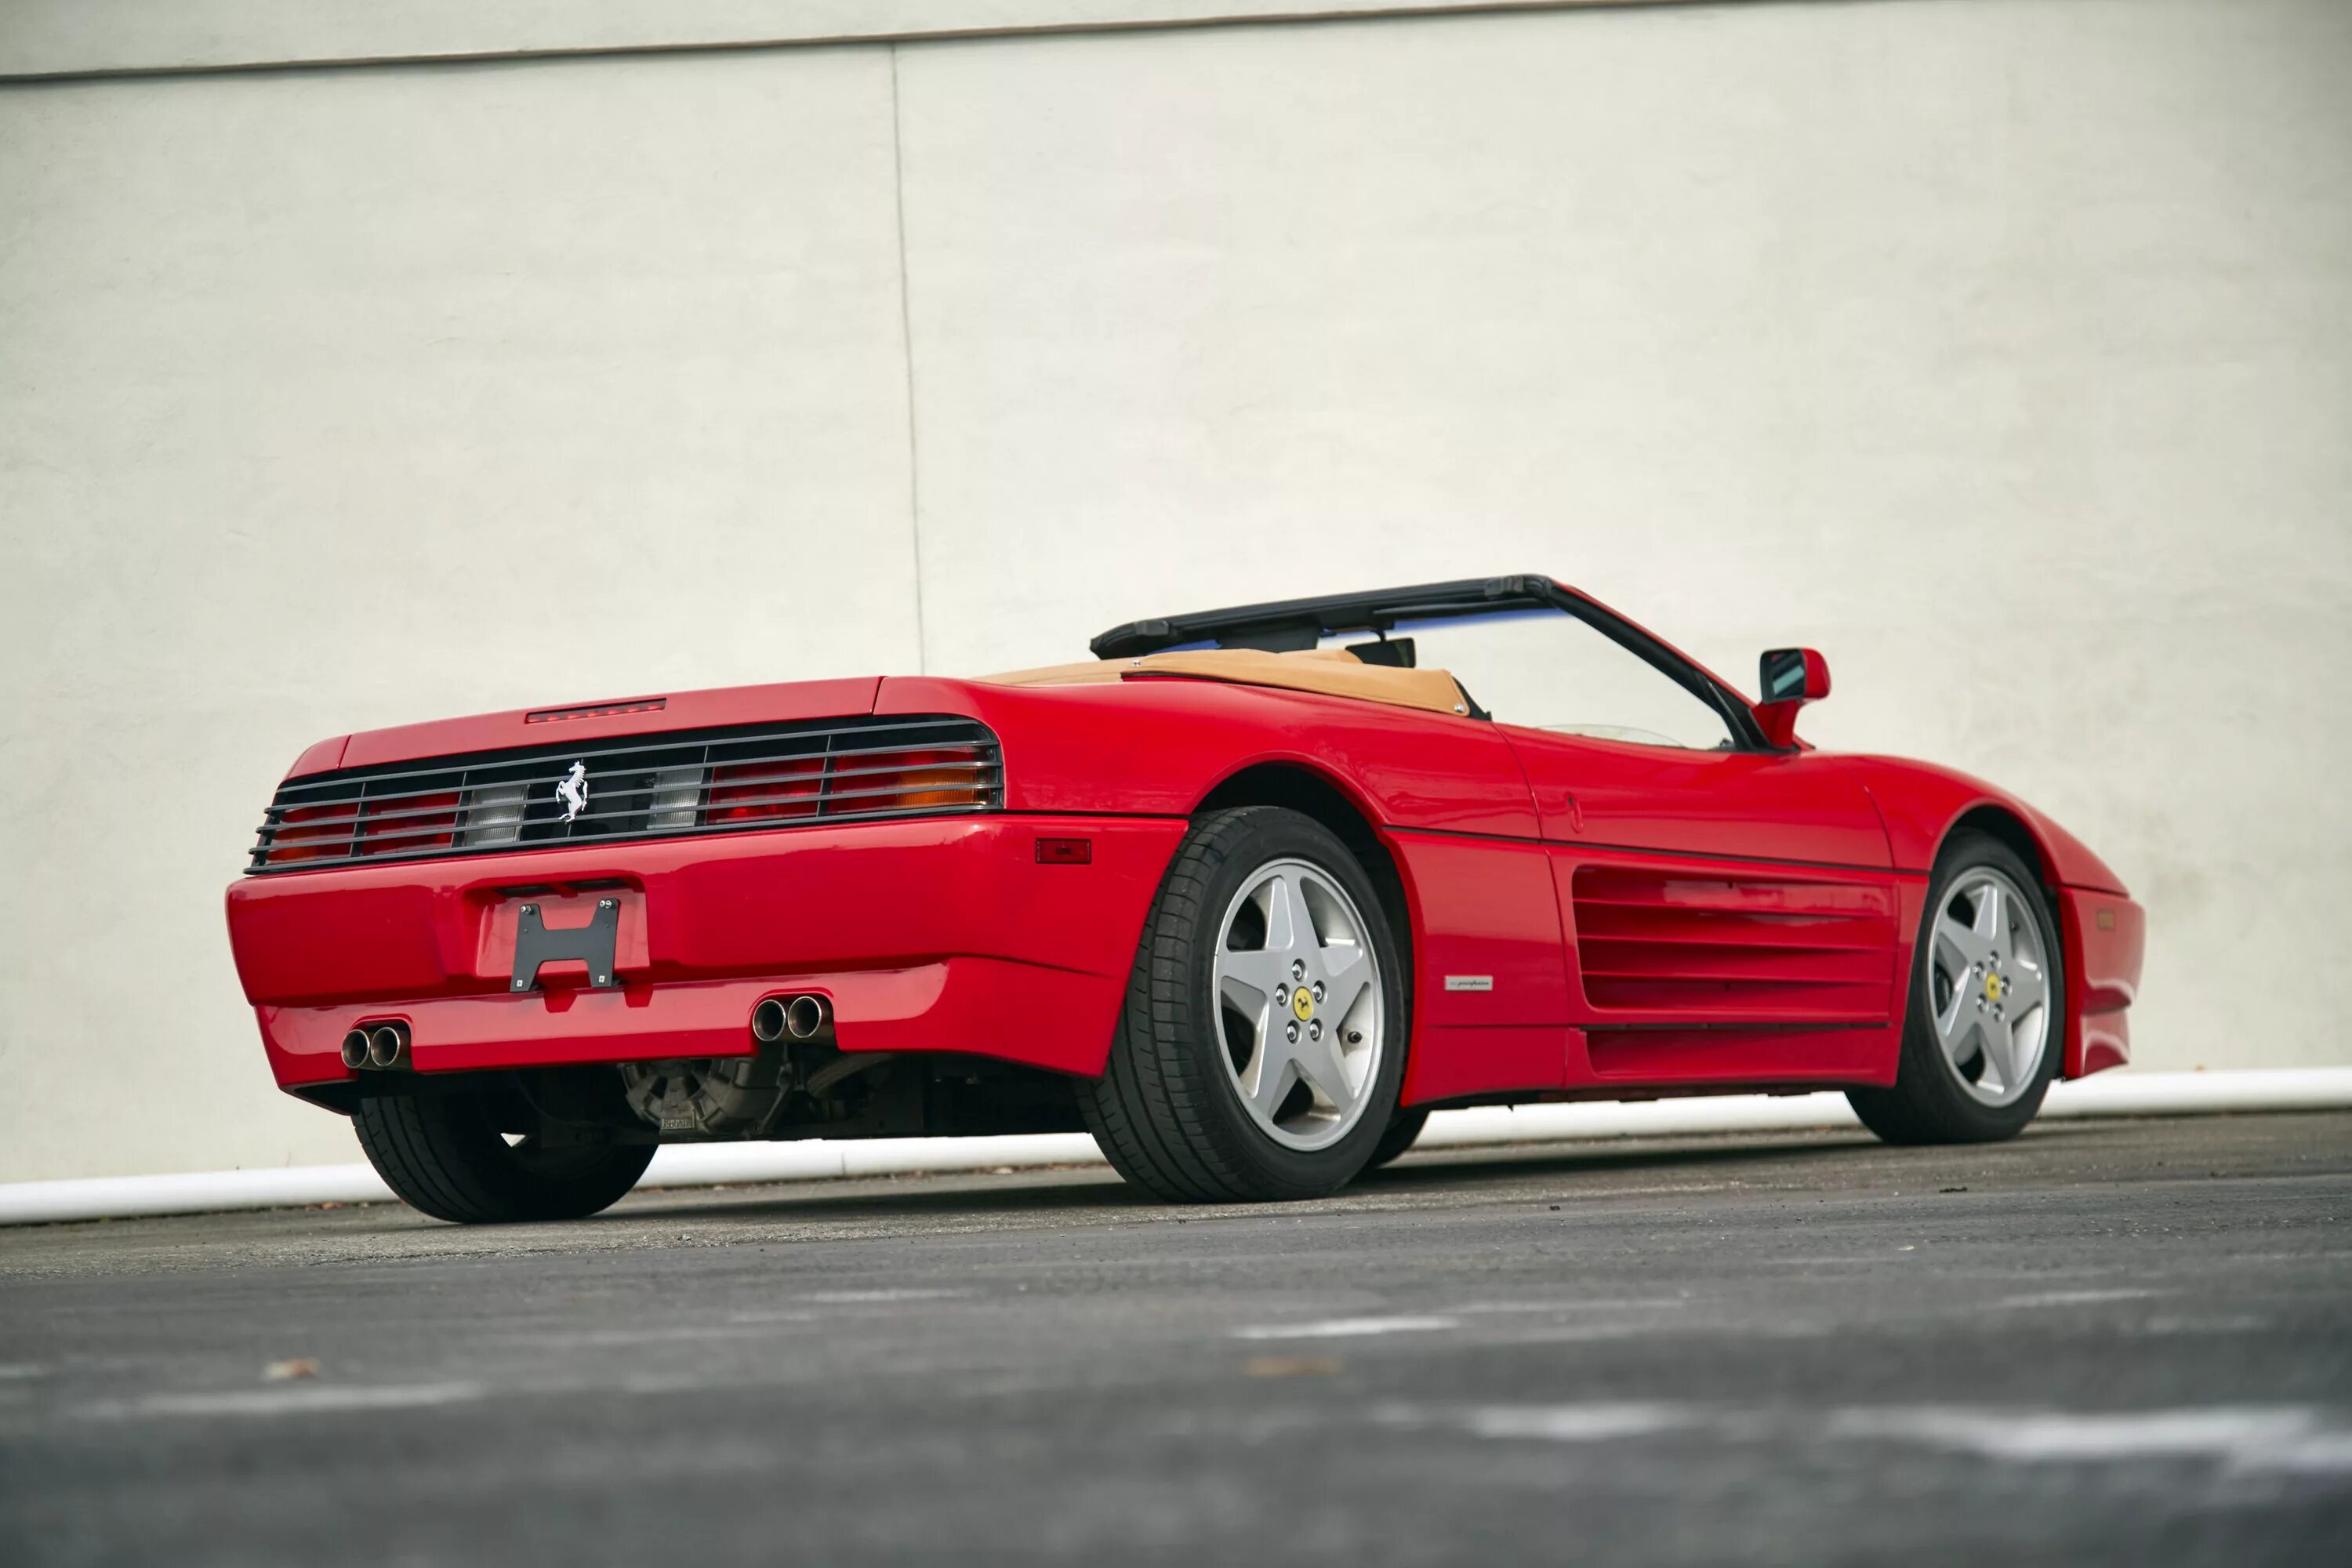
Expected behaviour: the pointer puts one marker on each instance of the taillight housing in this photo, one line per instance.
(311, 832)
(947, 776)
(773, 791)
(410, 824)
(664, 787)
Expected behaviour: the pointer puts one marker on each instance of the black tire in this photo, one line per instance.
(1165, 1111)
(1927, 1103)
(443, 1154)
(1402, 1131)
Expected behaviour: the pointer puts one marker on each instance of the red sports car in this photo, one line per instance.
(1246, 896)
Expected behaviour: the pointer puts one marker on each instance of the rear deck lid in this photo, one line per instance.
(576, 722)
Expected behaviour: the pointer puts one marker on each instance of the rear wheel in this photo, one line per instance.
(1983, 1033)
(1260, 1050)
(442, 1152)
(1404, 1129)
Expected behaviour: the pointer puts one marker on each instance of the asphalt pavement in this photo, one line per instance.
(2118, 1342)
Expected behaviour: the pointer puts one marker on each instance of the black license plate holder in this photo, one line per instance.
(594, 944)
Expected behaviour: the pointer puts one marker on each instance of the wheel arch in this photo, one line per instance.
(2011, 829)
(1316, 795)
(2005, 827)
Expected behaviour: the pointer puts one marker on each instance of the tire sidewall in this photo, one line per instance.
(1278, 834)
(1938, 1083)
(443, 1154)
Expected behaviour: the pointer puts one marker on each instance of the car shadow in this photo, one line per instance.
(1096, 1189)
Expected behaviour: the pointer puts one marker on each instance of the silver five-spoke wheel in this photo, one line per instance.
(1261, 1053)
(1298, 1003)
(1988, 988)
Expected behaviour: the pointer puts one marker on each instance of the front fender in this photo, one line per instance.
(1921, 803)
(2102, 933)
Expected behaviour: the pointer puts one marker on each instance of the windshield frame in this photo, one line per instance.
(1291, 625)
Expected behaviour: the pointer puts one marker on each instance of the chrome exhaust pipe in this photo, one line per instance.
(388, 1046)
(803, 1016)
(768, 1021)
(356, 1050)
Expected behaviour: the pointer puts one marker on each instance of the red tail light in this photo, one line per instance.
(300, 835)
(760, 792)
(410, 823)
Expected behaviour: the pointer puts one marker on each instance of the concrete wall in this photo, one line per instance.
(2002, 348)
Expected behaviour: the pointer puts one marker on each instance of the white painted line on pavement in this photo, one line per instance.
(1576, 1422)
(2074, 1298)
(1345, 1328)
(288, 1401)
(2288, 1437)
(2257, 1438)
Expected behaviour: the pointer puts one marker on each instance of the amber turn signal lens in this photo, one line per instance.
(921, 785)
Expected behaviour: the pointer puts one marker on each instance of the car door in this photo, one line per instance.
(1727, 913)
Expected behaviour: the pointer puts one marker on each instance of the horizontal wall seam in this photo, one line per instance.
(1413, 10)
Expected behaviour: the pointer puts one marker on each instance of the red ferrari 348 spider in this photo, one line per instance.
(1246, 896)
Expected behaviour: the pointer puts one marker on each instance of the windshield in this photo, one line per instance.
(1546, 670)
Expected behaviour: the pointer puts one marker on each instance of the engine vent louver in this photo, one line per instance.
(663, 786)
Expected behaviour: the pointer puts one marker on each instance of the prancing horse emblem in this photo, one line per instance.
(572, 791)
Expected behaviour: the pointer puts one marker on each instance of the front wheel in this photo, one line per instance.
(1984, 1028)
(442, 1153)
(1262, 1045)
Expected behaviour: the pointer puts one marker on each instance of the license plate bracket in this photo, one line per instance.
(594, 944)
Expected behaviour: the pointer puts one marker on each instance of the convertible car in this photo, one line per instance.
(1246, 896)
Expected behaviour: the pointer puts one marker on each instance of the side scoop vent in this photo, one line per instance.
(1748, 948)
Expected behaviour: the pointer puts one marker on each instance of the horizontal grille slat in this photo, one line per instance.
(376, 811)
(664, 787)
(1747, 947)
(813, 740)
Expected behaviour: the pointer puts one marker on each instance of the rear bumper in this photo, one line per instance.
(943, 934)
(2106, 937)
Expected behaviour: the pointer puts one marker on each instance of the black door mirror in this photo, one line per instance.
(1790, 677)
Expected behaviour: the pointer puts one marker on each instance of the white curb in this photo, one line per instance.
(2122, 1093)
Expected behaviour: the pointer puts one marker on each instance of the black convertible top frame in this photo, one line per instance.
(1289, 625)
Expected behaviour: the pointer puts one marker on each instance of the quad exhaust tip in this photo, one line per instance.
(387, 1044)
(801, 1018)
(379, 1046)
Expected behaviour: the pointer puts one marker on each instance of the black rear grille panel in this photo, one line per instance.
(742, 779)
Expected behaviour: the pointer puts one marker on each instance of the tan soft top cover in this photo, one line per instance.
(1328, 671)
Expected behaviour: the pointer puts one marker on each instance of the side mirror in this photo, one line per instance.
(1790, 677)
